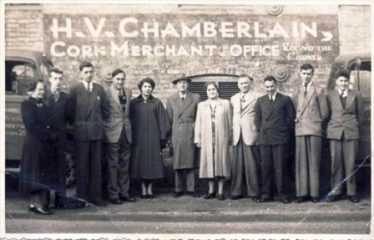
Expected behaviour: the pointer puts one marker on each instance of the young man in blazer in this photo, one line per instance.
(55, 100)
(275, 115)
(118, 139)
(346, 112)
(87, 105)
(181, 109)
(310, 103)
(244, 162)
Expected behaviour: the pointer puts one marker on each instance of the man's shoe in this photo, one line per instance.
(209, 196)
(177, 194)
(235, 197)
(264, 199)
(192, 194)
(99, 203)
(285, 200)
(333, 198)
(300, 199)
(127, 199)
(255, 198)
(353, 199)
(40, 210)
(315, 199)
(116, 201)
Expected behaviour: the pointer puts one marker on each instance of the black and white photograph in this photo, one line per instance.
(186, 120)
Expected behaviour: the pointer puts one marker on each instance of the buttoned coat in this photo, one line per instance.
(311, 110)
(182, 116)
(88, 111)
(243, 123)
(36, 173)
(117, 119)
(219, 165)
(344, 119)
(275, 120)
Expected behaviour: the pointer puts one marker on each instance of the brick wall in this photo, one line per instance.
(24, 27)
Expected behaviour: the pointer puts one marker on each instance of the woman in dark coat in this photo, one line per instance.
(149, 128)
(36, 175)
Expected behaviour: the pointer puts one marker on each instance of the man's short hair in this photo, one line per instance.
(245, 76)
(270, 78)
(307, 66)
(55, 70)
(342, 73)
(85, 64)
(117, 71)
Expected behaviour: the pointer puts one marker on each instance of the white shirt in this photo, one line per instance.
(273, 96)
(345, 93)
(88, 86)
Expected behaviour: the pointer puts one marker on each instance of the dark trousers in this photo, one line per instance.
(244, 167)
(343, 156)
(118, 160)
(88, 169)
(190, 179)
(273, 168)
(58, 154)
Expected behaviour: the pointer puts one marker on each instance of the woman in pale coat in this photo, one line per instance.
(213, 135)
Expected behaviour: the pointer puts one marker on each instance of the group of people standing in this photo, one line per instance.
(129, 133)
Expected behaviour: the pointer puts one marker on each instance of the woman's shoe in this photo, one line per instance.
(209, 196)
(151, 196)
(221, 197)
(143, 196)
(41, 210)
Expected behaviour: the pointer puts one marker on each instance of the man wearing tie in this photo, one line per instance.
(346, 112)
(118, 139)
(181, 109)
(274, 118)
(311, 110)
(244, 162)
(88, 106)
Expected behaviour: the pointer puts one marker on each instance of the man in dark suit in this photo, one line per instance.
(274, 118)
(88, 106)
(57, 119)
(346, 113)
(310, 102)
(118, 139)
(181, 109)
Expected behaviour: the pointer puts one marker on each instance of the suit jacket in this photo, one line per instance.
(243, 123)
(182, 115)
(274, 120)
(344, 120)
(57, 116)
(117, 118)
(311, 110)
(88, 111)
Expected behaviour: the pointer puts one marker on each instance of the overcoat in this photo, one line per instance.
(311, 110)
(36, 173)
(149, 126)
(219, 166)
(117, 118)
(346, 119)
(243, 122)
(182, 115)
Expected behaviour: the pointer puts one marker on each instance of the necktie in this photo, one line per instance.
(305, 89)
(56, 95)
(183, 98)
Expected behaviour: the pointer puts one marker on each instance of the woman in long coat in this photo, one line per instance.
(37, 177)
(149, 127)
(213, 134)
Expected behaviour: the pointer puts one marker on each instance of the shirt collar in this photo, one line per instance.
(86, 84)
(182, 95)
(343, 93)
(273, 96)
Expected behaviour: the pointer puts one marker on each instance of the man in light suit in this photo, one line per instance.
(181, 109)
(118, 139)
(244, 164)
(275, 115)
(346, 113)
(87, 106)
(310, 103)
